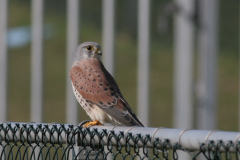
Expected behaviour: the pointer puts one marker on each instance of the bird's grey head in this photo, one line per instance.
(87, 50)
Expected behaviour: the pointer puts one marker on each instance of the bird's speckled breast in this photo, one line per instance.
(93, 111)
(86, 106)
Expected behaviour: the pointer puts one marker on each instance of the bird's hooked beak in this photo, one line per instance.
(98, 52)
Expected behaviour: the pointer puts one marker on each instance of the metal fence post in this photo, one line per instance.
(108, 16)
(208, 49)
(72, 43)
(183, 67)
(3, 59)
(3, 62)
(143, 60)
(37, 61)
(108, 34)
(207, 82)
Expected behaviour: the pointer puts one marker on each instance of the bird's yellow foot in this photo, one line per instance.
(92, 123)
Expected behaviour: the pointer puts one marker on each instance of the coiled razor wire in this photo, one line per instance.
(35, 141)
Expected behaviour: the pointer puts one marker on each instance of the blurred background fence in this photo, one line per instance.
(176, 62)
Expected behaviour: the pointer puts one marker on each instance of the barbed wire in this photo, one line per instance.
(61, 141)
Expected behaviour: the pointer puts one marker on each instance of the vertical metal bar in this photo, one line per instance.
(183, 65)
(108, 40)
(72, 43)
(3, 59)
(208, 49)
(108, 34)
(3, 63)
(37, 61)
(143, 60)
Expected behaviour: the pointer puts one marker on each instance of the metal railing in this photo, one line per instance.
(55, 141)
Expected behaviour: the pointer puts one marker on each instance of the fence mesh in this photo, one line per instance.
(52, 141)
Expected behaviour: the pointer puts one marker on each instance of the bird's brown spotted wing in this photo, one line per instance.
(95, 84)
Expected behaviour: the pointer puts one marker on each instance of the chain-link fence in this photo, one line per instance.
(64, 141)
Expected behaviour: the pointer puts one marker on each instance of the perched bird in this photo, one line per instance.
(97, 91)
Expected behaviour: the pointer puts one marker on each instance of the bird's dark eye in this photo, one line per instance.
(90, 48)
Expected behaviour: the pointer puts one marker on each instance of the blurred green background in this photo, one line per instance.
(161, 60)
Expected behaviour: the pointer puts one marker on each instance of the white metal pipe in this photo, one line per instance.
(208, 49)
(3, 59)
(108, 34)
(37, 61)
(188, 139)
(183, 65)
(183, 61)
(72, 43)
(108, 40)
(143, 61)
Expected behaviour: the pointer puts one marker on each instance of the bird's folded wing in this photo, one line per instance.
(95, 84)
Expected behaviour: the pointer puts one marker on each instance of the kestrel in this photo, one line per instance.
(97, 91)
